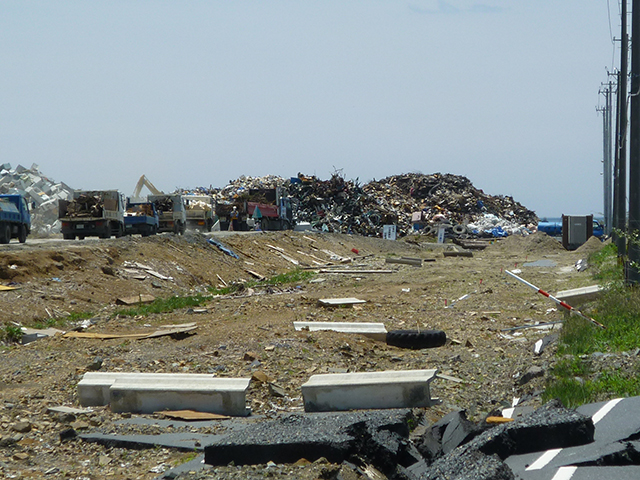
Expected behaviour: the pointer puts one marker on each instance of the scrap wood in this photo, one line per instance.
(188, 415)
(497, 420)
(221, 280)
(164, 330)
(254, 274)
(7, 288)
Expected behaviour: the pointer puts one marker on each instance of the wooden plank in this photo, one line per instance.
(189, 415)
(170, 330)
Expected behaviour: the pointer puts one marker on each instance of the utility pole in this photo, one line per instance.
(607, 172)
(632, 270)
(620, 193)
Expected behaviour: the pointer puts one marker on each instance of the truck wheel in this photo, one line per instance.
(183, 228)
(119, 231)
(5, 233)
(415, 339)
(106, 232)
(22, 234)
(209, 224)
(68, 236)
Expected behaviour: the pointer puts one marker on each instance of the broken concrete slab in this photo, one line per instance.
(32, 334)
(225, 396)
(94, 387)
(136, 300)
(371, 435)
(578, 296)
(377, 331)
(340, 302)
(72, 410)
(550, 425)
(540, 263)
(388, 389)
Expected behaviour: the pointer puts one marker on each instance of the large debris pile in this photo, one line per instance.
(338, 205)
(344, 206)
(37, 189)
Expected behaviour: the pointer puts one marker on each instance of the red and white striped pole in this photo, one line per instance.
(559, 302)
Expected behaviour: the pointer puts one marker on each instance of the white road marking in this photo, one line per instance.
(564, 473)
(606, 408)
(544, 459)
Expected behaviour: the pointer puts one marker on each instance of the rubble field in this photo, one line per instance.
(249, 333)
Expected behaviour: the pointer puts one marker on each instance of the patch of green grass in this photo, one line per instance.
(571, 391)
(164, 305)
(293, 276)
(606, 263)
(617, 309)
(11, 333)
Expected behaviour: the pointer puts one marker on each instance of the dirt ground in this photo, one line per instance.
(56, 278)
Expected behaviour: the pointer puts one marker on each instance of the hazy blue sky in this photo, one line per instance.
(200, 92)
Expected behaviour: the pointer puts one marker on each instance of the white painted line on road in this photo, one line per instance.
(544, 459)
(564, 473)
(606, 408)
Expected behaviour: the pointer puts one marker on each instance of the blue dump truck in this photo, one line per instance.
(141, 218)
(15, 219)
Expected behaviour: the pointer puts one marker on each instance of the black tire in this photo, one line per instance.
(22, 234)
(5, 233)
(459, 229)
(68, 236)
(415, 339)
(120, 230)
(209, 224)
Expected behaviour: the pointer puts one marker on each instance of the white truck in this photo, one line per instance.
(171, 212)
(200, 211)
(92, 213)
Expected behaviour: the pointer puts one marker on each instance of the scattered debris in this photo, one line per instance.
(340, 302)
(164, 330)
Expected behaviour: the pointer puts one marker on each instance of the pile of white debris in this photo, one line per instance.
(41, 192)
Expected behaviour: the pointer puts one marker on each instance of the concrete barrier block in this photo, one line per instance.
(225, 396)
(377, 331)
(93, 389)
(348, 391)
